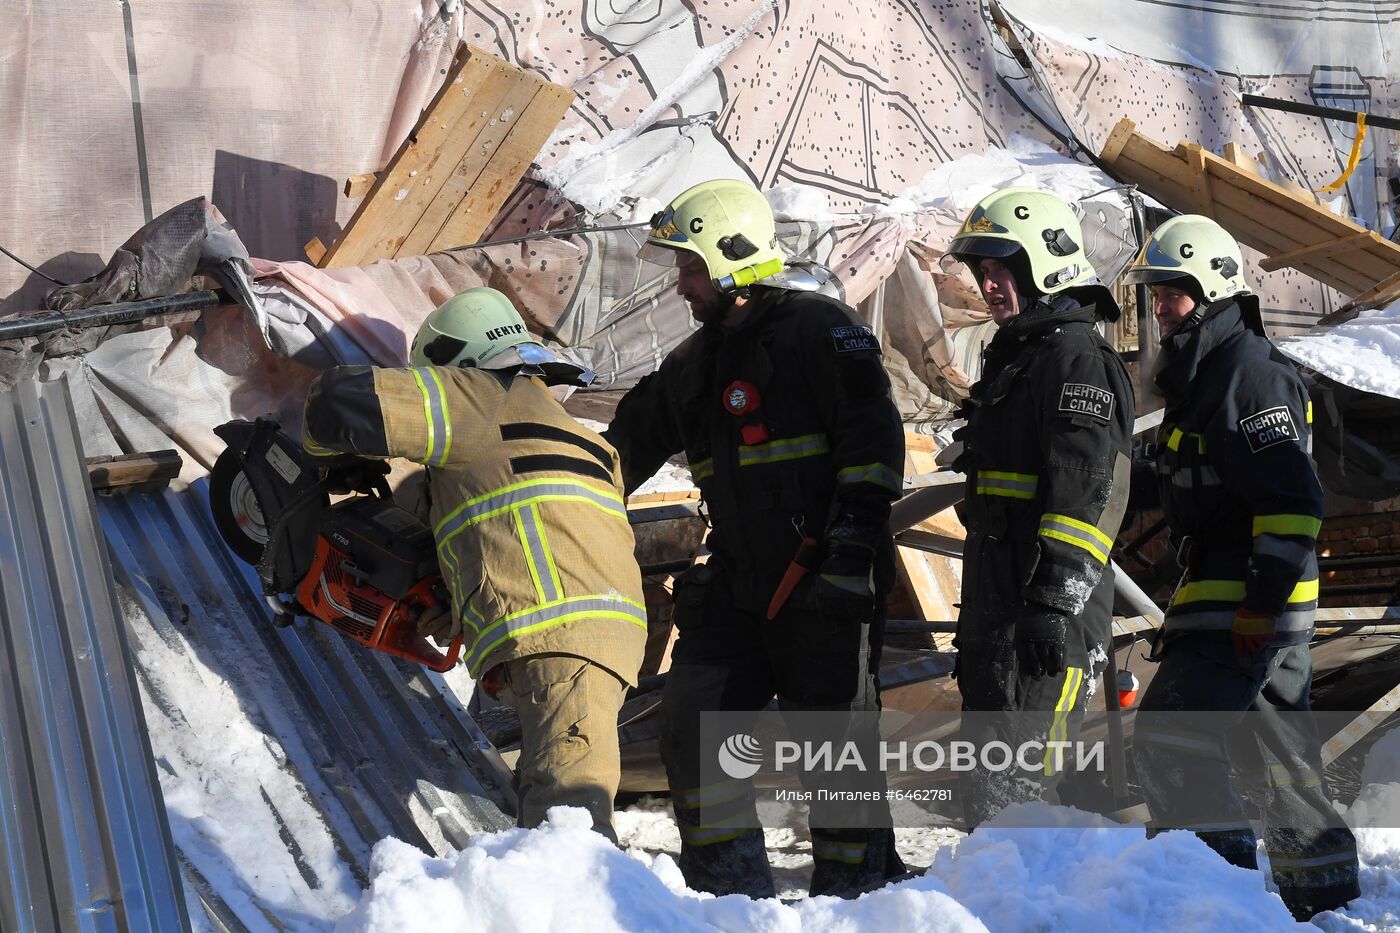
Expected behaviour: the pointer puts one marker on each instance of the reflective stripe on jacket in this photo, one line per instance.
(1238, 488)
(1045, 451)
(527, 506)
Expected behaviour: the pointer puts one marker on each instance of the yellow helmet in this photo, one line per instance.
(1194, 247)
(469, 329)
(1035, 223)
(728, 224)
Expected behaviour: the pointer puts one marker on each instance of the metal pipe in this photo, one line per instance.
(1126, 588)
(1313, 110)
(124, 312)
(924, 503)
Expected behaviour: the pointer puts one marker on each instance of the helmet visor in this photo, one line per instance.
(668, 256)
(1152, 275)
(964, 252)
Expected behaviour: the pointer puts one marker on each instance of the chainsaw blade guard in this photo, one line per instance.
(264, 479)
(237, 513)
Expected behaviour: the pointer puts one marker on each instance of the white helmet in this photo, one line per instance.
(1191, 247)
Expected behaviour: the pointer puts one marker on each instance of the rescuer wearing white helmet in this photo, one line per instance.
(1046, 454)
(1242, 500)
(782, 407)
(531, 527)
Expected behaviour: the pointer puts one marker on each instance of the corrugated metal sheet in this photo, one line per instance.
(85, 841)
(374, 747)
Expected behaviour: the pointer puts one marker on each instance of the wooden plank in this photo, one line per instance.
(1357, 729)
(496, 122)
(133, 472)
(411, 168)
(513, 157)
(1322, 248)
(315, 250)
(1358, 268)
(435, 180)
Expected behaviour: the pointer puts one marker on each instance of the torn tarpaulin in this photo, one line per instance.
(158, 261)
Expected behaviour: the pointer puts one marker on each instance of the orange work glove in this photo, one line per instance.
(1251, 632)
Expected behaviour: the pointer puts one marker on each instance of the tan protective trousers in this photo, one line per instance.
(569, 752)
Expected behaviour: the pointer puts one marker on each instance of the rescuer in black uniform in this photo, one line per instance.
(783, 409)
(1241, 496)
(1046, 454)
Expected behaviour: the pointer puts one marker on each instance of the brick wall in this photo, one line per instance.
(1359, 555)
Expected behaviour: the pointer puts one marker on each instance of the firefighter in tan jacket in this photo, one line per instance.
(531, 527)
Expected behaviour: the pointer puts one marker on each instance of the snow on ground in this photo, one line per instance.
(1363, 353)
(1085, 874)
(1035, 867)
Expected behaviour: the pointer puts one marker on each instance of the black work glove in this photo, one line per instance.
(1040, 642)
(843, 592)
(358, 475)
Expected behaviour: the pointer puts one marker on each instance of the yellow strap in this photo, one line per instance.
(1352, 159)
(1226, 591)
(1305, 525)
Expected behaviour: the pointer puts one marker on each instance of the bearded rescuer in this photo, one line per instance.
(1242, 500)
(783, 409)
(1046, 454)
(533, 540)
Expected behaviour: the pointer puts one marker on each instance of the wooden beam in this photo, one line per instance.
(1288, 226)
(141, 472)
(1123, 132)
(1326, 247)
(357, 186)
(315, 250)
(1357, 729)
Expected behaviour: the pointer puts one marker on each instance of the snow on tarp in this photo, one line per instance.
(1363, 353)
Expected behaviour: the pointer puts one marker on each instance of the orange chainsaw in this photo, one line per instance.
(362, 565)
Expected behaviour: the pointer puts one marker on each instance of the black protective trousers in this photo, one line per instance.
(732, 659)
(1204, 716)
(1009, 706)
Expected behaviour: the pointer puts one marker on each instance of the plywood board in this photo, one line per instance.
(1288, 226)
(452, 174)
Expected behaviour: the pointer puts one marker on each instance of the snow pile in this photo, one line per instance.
(1363, 353)
(799, 202)
(1086, 873)
(1089, 873)
(1375, 819)
(564, 876)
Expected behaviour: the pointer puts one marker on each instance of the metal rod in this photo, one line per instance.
(547, 235)
(103, 315)
(1313, 110)
(1117, 759)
